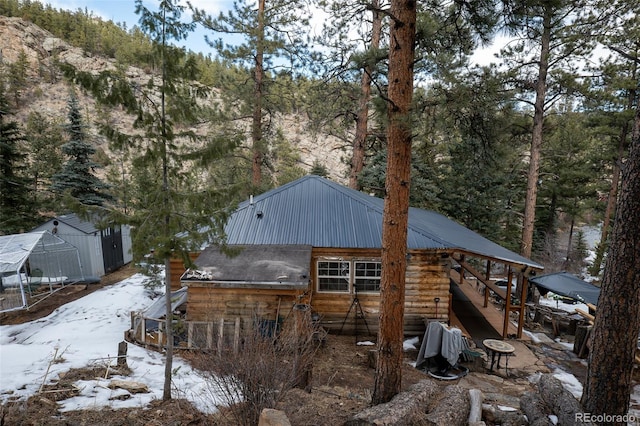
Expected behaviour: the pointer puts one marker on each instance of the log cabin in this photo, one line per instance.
(316, 242)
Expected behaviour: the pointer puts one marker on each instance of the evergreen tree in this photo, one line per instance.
(77, 176)
(174, 202)
(567, 178)
(17, 213)
(388, 376)
(549, 37)
(614, 338)
(17, 78)
(274, 36)
(44, 141)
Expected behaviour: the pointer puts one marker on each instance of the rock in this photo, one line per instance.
(133, 387)
(271, 417)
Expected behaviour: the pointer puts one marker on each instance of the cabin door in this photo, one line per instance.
(112, 248)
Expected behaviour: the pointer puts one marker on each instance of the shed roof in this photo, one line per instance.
(74, 221)
(318, 212)
(566, 284)
(269, 266)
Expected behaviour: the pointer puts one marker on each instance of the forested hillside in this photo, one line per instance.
(498, 148)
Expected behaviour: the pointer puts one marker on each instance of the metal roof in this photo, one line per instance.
(318, 212)
(74, 221)
(566, 284)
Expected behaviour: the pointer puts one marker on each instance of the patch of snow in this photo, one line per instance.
(86, 332)
(366, 343)
(506, 408)
(410, 344)
(569, 382)
(550, 300)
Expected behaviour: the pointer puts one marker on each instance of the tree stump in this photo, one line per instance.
(475, 405)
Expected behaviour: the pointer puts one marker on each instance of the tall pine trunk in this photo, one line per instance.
(536, 139)
(388, 376)
(613, 191)
(615, 332)
(362, 120)
(256, 125)
(168, 365)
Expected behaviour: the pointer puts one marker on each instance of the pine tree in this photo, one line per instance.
(388, 376)
(17, 213)
(550, 35)
(175, 202)
(44, 141)
(274, 35)
(614, 340)
(77, 176)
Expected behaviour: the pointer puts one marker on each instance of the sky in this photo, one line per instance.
(124, 11)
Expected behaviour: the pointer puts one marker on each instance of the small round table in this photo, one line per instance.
(501, 348)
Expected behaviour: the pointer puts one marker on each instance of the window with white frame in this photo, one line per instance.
(333, 275)
(367, 276)
(349, 275)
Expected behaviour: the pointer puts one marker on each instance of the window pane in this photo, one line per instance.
(333, 276)
(367, 276)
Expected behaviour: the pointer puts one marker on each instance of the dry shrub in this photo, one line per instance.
(262, 369)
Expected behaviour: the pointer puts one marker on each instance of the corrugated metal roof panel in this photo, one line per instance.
(321, 213)
(316, 212)
(74, 221)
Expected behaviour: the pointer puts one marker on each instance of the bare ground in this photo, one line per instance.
(341, 385)
(342, 382)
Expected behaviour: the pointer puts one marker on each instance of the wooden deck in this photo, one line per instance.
(493, 316)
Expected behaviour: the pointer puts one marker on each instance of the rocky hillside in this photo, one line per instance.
(48, 92)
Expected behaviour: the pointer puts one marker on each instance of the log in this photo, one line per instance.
(535, 409)
(453, 409)
(401, 409)
(475, 407)
(494, 415)
(561, 402)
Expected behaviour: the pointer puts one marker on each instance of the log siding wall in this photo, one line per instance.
(427, 278)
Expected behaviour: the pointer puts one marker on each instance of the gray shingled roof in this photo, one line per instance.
(318, 212)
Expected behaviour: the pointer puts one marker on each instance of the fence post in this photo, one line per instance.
(236, 335)
(220, 335)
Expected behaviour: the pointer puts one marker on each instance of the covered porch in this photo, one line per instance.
(484, 308)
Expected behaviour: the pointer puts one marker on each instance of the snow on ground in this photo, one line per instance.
(550, 300)
(86, 332)
(569, 382)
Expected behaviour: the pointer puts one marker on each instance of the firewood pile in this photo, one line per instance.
(427, 403)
